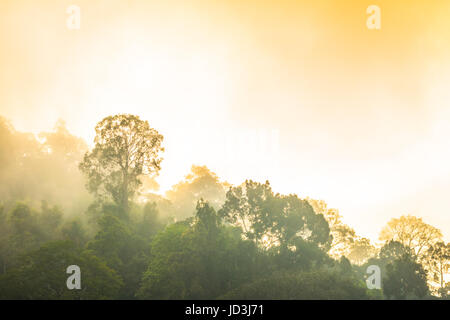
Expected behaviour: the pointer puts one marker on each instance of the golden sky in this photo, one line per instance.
(301, 93)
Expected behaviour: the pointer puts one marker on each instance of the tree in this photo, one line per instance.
(243, 207)
(405, 279)
(206, 219)
(41, 274)
(403, 275)
(200, 183)
(361, 250)
(411, 232)
(110, 241)
(166, 275)
(34, 170)
(166, 210)
(345, 240)
(49, 220)
(271, 219)
(25, 232)
(75, 232)
(416, 235)
(343, 235)
(4, 235)
(122, 248)
(393, 250)
(149, 222)
(63, 144)
(436, 261)
(294, 221)
(126, 148)
(390, 252)
(198, 258)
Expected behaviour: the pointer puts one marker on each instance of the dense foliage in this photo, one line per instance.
(205, 239)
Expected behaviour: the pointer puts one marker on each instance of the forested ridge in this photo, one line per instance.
(62, 203)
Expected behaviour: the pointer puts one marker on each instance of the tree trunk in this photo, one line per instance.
(124, 201)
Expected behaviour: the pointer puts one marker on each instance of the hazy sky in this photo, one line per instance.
(301, 93)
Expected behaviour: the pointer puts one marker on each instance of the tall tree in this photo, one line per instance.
(436, 261)
(272, 219)
(343, 235)
(412, 232)
(244, 207)
(126, 148)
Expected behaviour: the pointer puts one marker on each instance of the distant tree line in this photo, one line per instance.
(62, 204)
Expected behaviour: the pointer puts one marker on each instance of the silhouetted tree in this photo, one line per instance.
(126, 148)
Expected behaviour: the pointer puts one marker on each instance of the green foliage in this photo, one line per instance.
(197, 261)
(319, 285)
(124, 244)
(436, 261)
(149, 222)
(247, 243)
(405, 279)
(272, 219)
(126, 148)
(345, 241)
(301, 255)
(110, 241)
(41, 274)
(393, 250)
(411, 232)
(75, 232)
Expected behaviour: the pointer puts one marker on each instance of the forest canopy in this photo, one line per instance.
(63, 204)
